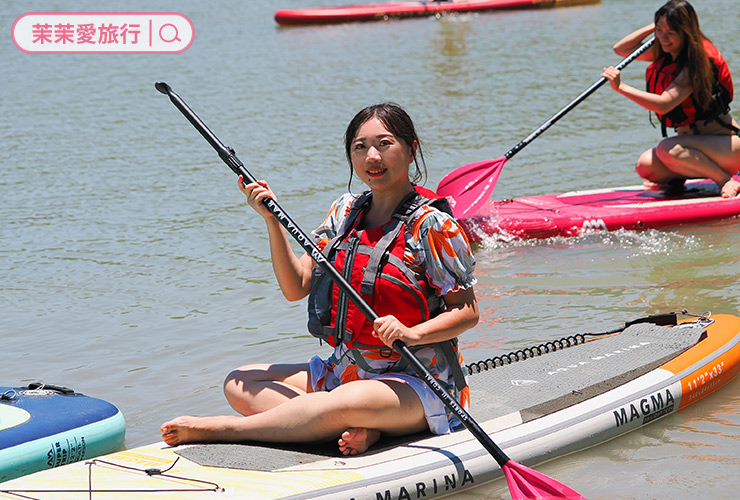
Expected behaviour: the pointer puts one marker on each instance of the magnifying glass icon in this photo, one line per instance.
(176, 37)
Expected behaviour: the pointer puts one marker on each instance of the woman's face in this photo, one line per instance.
(670, 40)
(379, 158)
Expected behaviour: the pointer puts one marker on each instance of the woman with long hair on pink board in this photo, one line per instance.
(690, 89)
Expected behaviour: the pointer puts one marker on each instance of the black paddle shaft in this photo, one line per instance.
(228, 155)
(575, 102)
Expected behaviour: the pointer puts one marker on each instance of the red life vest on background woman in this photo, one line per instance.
(661, 73)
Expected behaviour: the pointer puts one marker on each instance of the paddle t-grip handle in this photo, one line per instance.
(229, 157)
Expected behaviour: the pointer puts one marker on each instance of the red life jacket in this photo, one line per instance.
(372, 261)
(661, 73)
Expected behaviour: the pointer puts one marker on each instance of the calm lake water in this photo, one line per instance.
(131, 268)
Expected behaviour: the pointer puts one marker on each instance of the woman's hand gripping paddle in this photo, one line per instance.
(469, 186)
(524, 483)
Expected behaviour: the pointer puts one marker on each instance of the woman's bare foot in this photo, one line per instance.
(674, 186)
(730, 189)
(188, 429)
(356, 440)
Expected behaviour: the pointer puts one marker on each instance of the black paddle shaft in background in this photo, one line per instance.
(575, 102)
(228, 155)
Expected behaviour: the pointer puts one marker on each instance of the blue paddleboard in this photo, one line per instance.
(46, 426)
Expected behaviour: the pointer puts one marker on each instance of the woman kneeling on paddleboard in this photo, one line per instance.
(398, 246)
(690, 89)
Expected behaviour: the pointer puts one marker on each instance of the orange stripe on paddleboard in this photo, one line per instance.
(712, 375)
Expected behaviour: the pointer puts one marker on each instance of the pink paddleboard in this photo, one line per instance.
(570, 214)
(385, 10)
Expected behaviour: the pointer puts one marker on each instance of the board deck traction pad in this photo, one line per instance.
(534, 387)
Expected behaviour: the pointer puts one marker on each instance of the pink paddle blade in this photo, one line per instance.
(528, 484)
(469, 186)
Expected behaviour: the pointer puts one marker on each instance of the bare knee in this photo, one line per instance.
(244, 376)
(645, 167)
(253, 389)
(240, 383)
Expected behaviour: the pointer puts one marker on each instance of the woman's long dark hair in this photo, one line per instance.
(681, 17)
(398, 123)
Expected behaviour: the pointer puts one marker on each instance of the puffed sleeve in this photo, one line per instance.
(328, 229)
(441, 248)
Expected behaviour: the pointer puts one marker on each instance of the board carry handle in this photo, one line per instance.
(50, 387)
